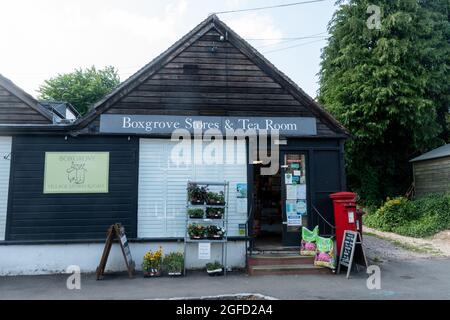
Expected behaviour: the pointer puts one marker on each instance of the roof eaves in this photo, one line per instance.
(440, 152)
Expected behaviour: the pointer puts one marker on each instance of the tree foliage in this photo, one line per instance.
(81, 88)
(389, 87)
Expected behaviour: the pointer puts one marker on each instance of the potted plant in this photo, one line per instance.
(214, 198)
(196, 231)
(196, 213)
(197, 194)
(215, 232)
(173, 264)
(214, 213)
(151, 266)
(214, 268)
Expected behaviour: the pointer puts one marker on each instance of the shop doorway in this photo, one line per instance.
(268, 215)
(280, 203)
(294, 196)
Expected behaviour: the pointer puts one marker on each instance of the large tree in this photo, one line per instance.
(81, 88)
(389, 86)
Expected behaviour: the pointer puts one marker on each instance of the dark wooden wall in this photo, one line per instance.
(33, 215)
(15, 111)
(432, 176)
(199, 82)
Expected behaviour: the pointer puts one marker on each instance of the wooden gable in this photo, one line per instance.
(17, 107)
(212, 71)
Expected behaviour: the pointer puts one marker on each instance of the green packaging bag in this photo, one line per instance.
(308, 244)
(325, 253)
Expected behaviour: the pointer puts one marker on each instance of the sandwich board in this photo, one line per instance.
(352, 252)
(116, 232)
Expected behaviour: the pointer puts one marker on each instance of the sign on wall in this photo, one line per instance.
(160, 124)
(76, 172)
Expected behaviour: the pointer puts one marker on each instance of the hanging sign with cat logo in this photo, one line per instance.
(76, 172)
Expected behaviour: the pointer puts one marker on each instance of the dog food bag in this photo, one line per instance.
(308, 244)
(325, 253)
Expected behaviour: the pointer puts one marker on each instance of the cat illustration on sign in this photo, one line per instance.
(76, 173)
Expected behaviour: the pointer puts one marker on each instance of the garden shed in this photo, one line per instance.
(432, 171)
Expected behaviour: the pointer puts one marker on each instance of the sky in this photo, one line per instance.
(43, 38)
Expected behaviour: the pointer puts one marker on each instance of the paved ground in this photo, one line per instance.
(412, 278)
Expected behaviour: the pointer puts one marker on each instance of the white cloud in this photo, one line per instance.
(40, 39)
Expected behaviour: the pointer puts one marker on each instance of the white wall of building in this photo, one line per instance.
(55, 258)
(5, 162)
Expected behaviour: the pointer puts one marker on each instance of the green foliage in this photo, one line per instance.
(197, 230)
(197, 194)
(215, 213)
(215, 198)
(213, 231)
(214, 265)
(196, 213)
(81, 88)
(419, 218)
(389, 87)
(173, 262)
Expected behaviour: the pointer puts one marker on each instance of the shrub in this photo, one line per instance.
(423, 217)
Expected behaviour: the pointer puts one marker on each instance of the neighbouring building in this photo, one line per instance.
(63, 184)
(432, 171)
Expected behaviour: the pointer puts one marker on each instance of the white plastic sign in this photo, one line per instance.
(204, 251)
(351, 217)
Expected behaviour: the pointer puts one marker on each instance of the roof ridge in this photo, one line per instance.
(242, 45)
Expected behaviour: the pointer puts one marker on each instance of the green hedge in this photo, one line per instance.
(419, 218)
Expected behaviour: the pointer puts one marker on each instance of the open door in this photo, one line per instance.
(293, 196)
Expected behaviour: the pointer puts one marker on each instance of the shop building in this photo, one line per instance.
(63, 184)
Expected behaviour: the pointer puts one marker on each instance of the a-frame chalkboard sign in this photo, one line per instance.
(352, 252)
(116, 231)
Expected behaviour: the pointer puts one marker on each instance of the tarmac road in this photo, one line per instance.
(408, 279)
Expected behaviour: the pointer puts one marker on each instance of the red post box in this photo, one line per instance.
(346, 217)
